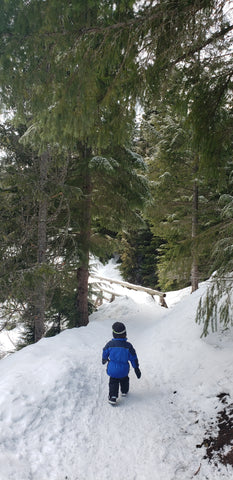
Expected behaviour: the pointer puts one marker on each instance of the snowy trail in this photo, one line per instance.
(77, 435)
(55, 421)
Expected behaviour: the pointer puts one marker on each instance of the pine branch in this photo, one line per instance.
(200, 47)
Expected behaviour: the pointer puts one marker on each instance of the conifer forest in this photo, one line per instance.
(116, 138)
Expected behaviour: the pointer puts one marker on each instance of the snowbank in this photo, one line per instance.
(56, 423)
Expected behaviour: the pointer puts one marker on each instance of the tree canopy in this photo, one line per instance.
(75, 75)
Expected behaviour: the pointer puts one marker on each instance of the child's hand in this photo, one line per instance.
(138, 372)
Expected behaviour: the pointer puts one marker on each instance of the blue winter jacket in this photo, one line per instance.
(118, 352)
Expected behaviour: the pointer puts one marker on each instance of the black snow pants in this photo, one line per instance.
(114, 386)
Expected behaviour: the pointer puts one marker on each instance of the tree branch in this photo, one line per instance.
(200, 47)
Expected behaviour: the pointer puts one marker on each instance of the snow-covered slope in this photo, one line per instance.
(55, 421)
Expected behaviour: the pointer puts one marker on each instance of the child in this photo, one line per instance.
(118, 352)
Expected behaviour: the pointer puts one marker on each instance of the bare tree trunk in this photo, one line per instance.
(40, 293)
(82, 295)
(84, 237)
(194, 268)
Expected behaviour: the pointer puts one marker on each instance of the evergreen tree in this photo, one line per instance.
(139, 251)
(68, 99)
(66, 218)
(175, 174)
(113, 189)
(30, 190)
(216, 307)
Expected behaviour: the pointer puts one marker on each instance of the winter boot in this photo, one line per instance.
(112, 400)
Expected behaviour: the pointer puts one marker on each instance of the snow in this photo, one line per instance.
(9, 338)
(56, 423)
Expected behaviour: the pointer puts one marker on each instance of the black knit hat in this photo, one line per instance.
(119, 330)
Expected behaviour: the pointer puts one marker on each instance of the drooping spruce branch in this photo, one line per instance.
(198, 47)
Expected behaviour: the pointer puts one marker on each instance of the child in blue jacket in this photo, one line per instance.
(118, 352)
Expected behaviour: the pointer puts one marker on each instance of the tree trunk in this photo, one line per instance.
(194, 268)
(40, 292)
(84, 238)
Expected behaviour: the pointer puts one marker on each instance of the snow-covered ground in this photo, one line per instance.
(9, 339)
(55, 421)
